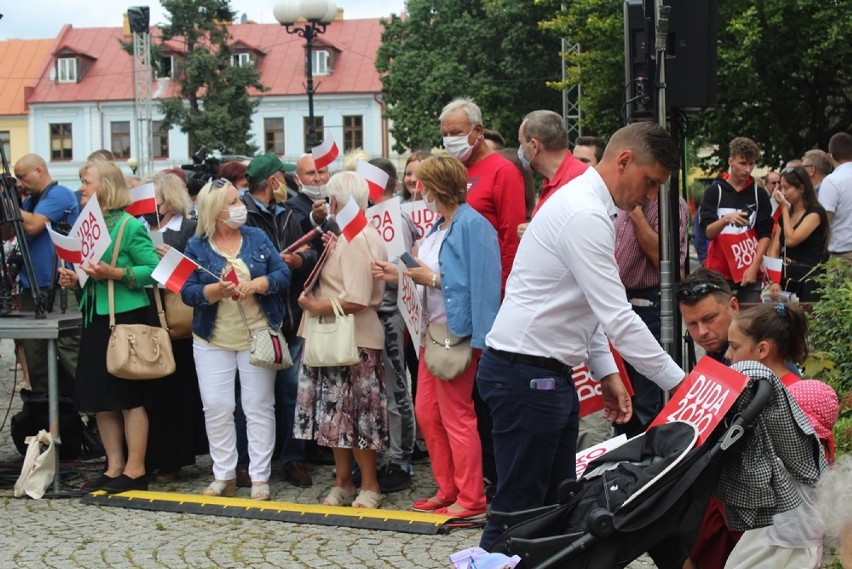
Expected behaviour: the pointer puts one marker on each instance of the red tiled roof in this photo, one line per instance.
(110, 78)
(20, 64)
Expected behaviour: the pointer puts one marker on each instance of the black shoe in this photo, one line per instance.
(420, 453)
(125, 483)
(296, 473)
(321, 455)
(96, 483)
(393, 478)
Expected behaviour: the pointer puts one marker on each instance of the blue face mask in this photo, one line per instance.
(523, 159)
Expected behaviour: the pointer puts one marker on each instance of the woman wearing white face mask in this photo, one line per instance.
(223, 314)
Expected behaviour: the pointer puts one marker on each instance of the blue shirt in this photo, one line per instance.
(59, 205)
(470, 274)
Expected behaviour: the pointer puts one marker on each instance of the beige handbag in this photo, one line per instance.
(178, 316)
(330, 343)
(446, 354)
(137, 351)
(39, 466)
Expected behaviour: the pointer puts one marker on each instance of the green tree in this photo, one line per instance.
(784, 73)
(490, 50)
(213, 105)
(598, 27)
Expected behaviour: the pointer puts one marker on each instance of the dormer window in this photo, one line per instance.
(167, 66)
(321, 62)
(66, 69)
(241, 59)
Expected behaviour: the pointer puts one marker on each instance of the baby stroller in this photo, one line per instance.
(648, 495)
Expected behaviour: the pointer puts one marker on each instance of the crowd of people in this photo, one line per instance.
(529, 286)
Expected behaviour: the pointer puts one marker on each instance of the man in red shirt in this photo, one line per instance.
(543, 147)
(495, 187)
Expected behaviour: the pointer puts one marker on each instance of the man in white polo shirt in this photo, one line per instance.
(563, 294)
(836, 197)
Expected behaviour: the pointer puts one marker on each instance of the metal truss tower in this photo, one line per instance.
(143, 103)
(571, 95)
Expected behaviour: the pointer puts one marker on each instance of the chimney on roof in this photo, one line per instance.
(126, 24)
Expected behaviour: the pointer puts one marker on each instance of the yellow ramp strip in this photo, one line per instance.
(390, 520)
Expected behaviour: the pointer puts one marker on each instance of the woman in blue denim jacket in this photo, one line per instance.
(246, 297)
(460, 272)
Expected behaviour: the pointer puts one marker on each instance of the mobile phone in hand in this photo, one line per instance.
(408, 260)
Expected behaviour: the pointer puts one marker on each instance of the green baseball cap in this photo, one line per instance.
(263, 166)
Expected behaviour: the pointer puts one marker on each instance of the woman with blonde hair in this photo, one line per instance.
(118, 404)
(459, 277)
(176, 421)
(224, 315)
(345, 408)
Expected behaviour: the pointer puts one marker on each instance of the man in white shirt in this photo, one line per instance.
(836, 197)
(563, 294)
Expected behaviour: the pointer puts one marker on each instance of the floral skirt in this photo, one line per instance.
(344, 407)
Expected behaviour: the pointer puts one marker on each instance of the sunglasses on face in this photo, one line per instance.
(696, 291)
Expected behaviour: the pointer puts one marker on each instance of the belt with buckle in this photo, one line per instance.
(549, 364)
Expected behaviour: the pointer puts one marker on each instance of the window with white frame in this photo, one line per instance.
(66, 69)
(241, 59)
(167, 66)
(320, 62)
(60, 141)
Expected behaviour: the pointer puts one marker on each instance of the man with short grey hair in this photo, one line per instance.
(818, 164)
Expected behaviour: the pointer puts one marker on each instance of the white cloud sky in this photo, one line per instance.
(42, 19)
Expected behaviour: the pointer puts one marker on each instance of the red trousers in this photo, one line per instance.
(444, 410)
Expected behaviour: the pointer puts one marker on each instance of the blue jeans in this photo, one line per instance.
(286, 383)
(535, 435)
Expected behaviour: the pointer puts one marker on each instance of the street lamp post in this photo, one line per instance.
(133, 164)
(317, 15)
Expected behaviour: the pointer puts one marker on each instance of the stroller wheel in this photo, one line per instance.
(567, 489)
(599, 522)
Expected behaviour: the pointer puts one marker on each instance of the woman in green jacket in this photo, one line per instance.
(117, 403)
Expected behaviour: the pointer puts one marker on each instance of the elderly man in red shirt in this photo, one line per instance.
(495, 187)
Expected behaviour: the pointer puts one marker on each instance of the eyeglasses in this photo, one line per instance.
(696, 291)
(787, 171)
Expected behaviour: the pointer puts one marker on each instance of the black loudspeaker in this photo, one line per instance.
(690, 57)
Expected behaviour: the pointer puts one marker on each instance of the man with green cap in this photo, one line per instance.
(265, 175)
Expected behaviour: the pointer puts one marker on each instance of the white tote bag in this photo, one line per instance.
(39, 466)
(330, 343)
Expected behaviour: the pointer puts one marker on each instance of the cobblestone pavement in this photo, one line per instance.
(63, 533)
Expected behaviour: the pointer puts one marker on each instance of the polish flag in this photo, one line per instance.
(231, 277)
(376, 178)
(68, 248)
(142, 200)
(325, 153)
(773, 267)
(351, 220)
(173, 270)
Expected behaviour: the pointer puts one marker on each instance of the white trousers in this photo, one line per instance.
(216, 370)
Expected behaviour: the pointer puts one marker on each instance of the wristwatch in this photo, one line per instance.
(434, 283)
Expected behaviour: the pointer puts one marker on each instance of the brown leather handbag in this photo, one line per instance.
(137, 351)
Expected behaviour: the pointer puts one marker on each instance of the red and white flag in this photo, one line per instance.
(68, 248)
(142, 200)
(231, 277)
(351, 220)
(773, 267)
(376, 178)
(325, 153)
(173, 270)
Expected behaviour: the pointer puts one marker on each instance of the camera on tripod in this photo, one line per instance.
(203, 169)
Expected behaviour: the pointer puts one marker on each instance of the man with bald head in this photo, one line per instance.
(564, 299)
(309, 203)
(48, 202)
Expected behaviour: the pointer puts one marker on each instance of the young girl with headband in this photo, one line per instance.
(776, 335)
(772, 334)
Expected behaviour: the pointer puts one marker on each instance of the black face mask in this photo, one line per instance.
(151, 219)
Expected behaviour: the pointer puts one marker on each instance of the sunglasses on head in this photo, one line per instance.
(696, 291)
(787, 171)
(219, 183)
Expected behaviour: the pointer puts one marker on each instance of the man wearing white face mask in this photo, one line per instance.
(494, 185)
(310, 202)
(265, 175)
(543, 148)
